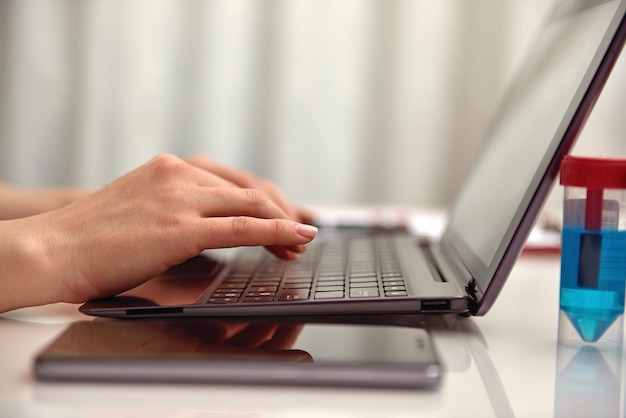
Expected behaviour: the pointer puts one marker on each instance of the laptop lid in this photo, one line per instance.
(538, 123)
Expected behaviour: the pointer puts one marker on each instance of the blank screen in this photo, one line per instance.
(530, 126)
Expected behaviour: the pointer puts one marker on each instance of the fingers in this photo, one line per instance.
(240, 197)
(217, 196)
(166, 167)
(226, 232)
(246, 180)
(233, 201)
(235, 176)
(289, 252)
(249, 202)
(281, 200)
(305, 216)
(210, 179)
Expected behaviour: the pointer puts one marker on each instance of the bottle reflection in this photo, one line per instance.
(588, 381)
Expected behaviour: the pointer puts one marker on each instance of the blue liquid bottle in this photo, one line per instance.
(593, 258)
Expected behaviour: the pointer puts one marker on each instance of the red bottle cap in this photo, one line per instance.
(593, 173)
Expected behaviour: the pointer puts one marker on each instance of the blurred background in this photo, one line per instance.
(337, 101)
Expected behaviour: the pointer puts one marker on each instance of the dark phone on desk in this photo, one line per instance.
(210, 351)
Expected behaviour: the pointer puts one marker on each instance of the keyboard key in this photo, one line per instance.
(263, 278)
(368, 279)
(369, 272)
(329, 288)
(226, 295)
(365, 284)
(262, 288)
(256, 283)
(331, 273)
(239, 275)
(395, 293)
(223, 300)
(332, 282)
(235, 279)
(306, 285)
(269, 273)
(255, 294)
(232, 285)
(257, 299)
(227, 290)
(394, 288)
(329, 295)
(294, 294)
(331, 278)
(370, 292)
(298, 279)
(393, 282)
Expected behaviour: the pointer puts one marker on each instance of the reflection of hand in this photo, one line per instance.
(183, 338)
(135, 228)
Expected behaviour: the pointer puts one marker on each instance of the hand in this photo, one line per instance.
(246, 180)
(135, 228)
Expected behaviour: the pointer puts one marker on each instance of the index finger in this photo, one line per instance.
(237, 231)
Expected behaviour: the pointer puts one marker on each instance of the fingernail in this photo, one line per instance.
(308, 231)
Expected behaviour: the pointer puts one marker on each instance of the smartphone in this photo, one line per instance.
(222, 352)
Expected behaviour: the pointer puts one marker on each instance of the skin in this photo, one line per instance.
(156, 216)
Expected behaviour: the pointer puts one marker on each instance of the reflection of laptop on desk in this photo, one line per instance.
(394, 272)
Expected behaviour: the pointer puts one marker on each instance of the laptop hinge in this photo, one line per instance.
(449, 271)
(472, 290)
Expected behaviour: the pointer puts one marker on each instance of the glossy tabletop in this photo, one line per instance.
(502, 364)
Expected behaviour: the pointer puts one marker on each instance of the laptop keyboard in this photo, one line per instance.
(353, 268)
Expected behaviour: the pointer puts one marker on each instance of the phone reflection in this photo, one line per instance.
(588, 381)
(180, 338)
(251, 352)
(460, 343)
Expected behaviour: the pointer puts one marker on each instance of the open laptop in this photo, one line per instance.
(393, 273)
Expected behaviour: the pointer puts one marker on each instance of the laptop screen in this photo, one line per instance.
(533, 127)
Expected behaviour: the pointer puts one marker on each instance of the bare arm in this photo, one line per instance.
(20, 202)
(138, 226)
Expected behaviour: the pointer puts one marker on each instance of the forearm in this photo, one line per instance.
(19, 202)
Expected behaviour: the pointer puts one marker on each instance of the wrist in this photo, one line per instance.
(27, 266)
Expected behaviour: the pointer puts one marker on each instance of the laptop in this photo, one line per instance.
(373, 272)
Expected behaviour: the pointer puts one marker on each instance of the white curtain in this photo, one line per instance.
(336, 100)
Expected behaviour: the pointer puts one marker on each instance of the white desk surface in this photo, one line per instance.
(503, 364)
